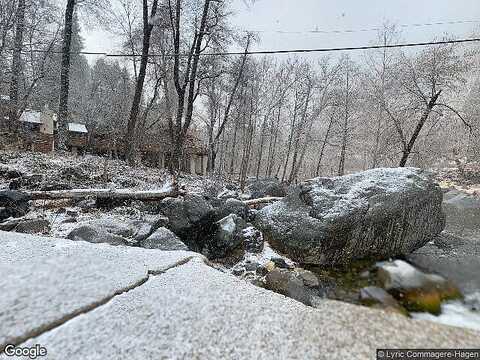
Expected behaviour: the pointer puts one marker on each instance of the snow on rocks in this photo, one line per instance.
(376, 214)
(163, 239)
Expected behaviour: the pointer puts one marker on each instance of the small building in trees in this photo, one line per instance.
(154, 149)
(77, 137)
(37, 130)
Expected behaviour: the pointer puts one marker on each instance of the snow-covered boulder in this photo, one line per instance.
(375, 214)
(259, 188)
(96, 234)
(163, 239)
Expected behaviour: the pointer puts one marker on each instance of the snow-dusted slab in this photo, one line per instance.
(44, 281)
(195, 312)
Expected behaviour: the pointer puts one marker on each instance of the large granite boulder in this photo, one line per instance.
(191, 218)
(259, 188)
(375, 214)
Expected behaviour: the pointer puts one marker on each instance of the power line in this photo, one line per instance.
(377, 28)
(279, 52)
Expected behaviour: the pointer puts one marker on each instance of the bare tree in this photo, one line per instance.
(132, 121)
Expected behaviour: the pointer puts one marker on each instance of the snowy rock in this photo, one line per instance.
(266, 187)
(228, 236)
(33, 226)
(416, 290)
(233, 206)
(95, 234)
(253, 240)
(14, 204)
(186, 310)
(191, 218)
(375, 214)
(163, 239)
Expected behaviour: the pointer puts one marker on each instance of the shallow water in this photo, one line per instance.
(457, 313)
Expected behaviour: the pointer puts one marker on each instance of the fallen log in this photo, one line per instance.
(264, 200)
(120, 194)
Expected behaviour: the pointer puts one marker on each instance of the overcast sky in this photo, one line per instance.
(270, 16)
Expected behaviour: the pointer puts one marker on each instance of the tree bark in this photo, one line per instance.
(16, 64)
(408, 149)
(132, 121)
(62, 132)
(149, 195)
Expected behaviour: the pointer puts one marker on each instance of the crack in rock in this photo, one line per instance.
(18, 340)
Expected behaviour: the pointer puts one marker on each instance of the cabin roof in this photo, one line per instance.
(33, 117)
(78, 128)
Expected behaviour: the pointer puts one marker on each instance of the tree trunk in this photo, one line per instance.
(408, 149)
(65, 77)
(16, 64)
(132, 121)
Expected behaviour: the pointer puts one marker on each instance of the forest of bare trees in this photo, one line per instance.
(285, 116)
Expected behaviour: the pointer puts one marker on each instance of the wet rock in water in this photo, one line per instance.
(416, 290)
(264, 269)
(253, 240)
(266, 187)
(191, 218)
(163, 239)
(228, 236)
(96, 234)
(376, 214)
(33, 226)
(378, 298)
(288, 283)
(13, 204)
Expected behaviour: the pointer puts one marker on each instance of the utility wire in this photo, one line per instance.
(273, 52)
(348, 31)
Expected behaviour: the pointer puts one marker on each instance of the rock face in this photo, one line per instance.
(33, 226)
(95, 234)
(163, 239)
(13, 204)
(266, 187)
(191, 218)
(118, 230)
(229, 236)
(463, 210)
(374, 214)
